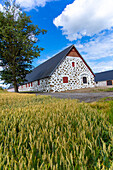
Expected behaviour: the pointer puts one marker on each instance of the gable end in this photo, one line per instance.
(74, 53)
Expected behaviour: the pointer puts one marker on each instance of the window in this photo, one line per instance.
(31, 84)
(26, 85)
(109, 82)
(73, 64)
(84, 80)
(65, 79)
(38, 82)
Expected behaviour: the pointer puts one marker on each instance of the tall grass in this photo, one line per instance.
(47, 133)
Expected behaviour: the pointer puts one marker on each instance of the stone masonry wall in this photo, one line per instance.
(55, 82)
(75, 75)
(43, 86)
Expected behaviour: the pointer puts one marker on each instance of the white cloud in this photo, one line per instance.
(1, 8)
(16, 13)
(98, 52)
(31, 4)
(85, 17)
(98, 47)
(101, 66)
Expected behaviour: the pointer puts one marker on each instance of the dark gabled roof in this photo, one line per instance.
(47, 68)
(103, 76)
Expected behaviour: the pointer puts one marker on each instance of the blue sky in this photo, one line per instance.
(88, 24)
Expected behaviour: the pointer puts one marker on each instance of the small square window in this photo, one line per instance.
(73, 64)
(109, 82)
(65, 79)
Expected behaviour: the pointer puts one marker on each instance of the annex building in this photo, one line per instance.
(104, 78)
(66, 70)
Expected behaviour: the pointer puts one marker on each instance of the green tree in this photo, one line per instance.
(18, 48)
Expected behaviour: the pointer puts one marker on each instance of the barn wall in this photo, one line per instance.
(75, 75)
(44, 86)
(102, 84)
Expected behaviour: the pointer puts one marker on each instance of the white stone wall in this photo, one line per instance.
(75, 75)
(55, 82)
(44, 86)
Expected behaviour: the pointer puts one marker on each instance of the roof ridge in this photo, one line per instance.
(54, 56)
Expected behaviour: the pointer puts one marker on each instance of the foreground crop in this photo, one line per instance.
(46, 133)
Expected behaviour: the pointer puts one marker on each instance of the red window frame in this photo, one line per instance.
(31, 84)
(65, 79)
(38, 82)
(73, 64)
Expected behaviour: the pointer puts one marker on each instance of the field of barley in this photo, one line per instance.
(40, 132)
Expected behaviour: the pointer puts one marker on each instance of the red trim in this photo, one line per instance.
(31, 84)
(26, 85)
(38, 82)
(81, 58)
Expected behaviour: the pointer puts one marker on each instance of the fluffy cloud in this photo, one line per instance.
(85, 18)
(98, 47)
(98, 52)
(101, 66)
(31, 4)
(1, 7)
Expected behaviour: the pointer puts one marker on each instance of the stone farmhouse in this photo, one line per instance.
(66, 70)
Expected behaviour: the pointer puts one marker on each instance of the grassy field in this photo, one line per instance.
(40, 132)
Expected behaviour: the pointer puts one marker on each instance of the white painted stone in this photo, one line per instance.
(74, 74)
(55, 81)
